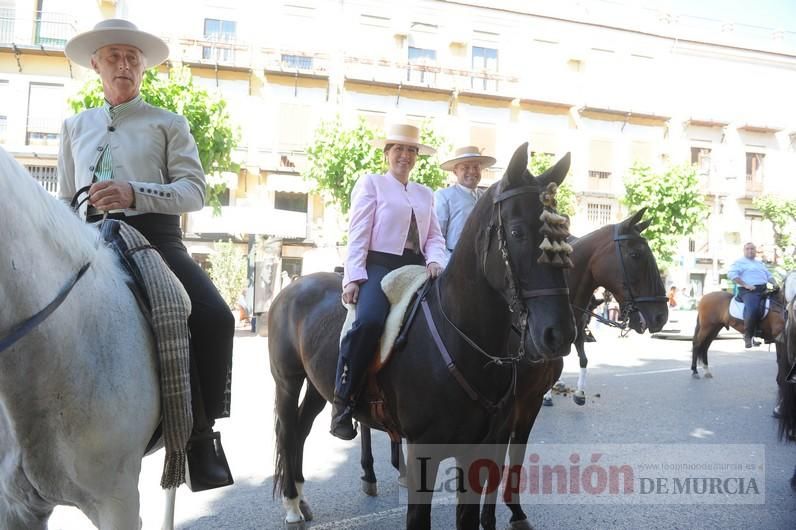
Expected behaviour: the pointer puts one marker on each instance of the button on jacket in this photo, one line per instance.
(381, 211)
(151, 148)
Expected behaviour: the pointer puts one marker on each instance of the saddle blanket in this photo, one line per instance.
(736, 308)
(399, 286)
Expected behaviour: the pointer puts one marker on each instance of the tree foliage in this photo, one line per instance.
(207, 117)
(674, 204)
(228, 269)
(338, 156)
(565, 197)
(782, 214)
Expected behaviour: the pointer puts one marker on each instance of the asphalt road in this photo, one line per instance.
(640, 392)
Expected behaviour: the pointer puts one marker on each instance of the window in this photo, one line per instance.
(54, 23)
(292, 266)
(297, 61)
(7, 16)
(45, 114)
(222, 31)
(601, 157)
(4, 95)
(485, 62)
(292, 202)
(47, 176)
(484, 135)
(598, 214)
(602, 175)
(420, 59)
(754, 167)
(700, 157)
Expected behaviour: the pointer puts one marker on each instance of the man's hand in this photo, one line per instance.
(111, 195)
(351, 293)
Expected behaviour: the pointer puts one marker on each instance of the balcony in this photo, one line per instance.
(301, 63)
(249, 220)
(42, 29)
(430, 75)
(599, 182)
(754, 185)
(228, 54)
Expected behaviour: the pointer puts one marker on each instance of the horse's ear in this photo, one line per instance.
(643, 225)
(631, 221)
(557, 173)
(518, 166)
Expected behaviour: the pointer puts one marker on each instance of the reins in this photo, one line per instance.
(23, 328)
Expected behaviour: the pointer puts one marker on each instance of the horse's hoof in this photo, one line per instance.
(579, 397)
(402, 481)
(708, 375)
(298, 525)
(547, 402)
(370, 488)
(306, 511)
(695, 375)
(519, 525)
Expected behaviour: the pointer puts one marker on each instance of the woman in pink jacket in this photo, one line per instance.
(392, 224)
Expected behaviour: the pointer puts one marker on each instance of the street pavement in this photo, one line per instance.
(640, 391)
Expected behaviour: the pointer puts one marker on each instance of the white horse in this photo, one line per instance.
(79, 394)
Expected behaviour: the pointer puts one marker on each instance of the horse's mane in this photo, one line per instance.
(789, 287)
(24, 202)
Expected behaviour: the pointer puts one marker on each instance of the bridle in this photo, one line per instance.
(629, 304)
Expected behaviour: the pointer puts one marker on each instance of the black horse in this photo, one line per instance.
(494, 269)
(786, 373)
(616, 257)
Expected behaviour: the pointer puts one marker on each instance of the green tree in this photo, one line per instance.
(674, 204)
(339, 155)
(565, 197)
(228, 269)
(207, 117)
(782, 214)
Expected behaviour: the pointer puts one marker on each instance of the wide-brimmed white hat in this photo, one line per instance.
(81, 47)
(469, 153)
(405, 134)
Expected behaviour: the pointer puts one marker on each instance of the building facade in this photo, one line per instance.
(653, 89)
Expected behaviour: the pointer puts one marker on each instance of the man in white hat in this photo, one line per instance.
(142, 166)
(454, 203)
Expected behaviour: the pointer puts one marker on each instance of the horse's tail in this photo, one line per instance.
(695, 347)
(787, 416)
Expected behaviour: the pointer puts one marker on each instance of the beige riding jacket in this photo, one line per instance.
(152, 148)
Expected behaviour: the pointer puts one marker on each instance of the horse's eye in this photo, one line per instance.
(517, 233)
(635, 255)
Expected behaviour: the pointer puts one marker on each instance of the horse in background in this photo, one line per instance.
(618, 258)
(786, 369)
(79, 393)
(713, 313)
(495, 268)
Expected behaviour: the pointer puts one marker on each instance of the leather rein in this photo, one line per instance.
(28, 325)
(515, 302)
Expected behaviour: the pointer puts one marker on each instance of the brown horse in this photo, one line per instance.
(713, 313)
(494, 269)
(786, 370)
(616, 257)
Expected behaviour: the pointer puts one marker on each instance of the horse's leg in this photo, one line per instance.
(368, 477)
(168, 512)
(519, 442)
(488, 521)
(287, 441)
(18, 515)
(312, 405)
(119, 509)
(704, 336)
(580, 394)
(793, 480)
(467, 500)
(547, 400)
(398, 459)
(421, 475)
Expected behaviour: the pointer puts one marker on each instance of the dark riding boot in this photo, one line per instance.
(207, 463)
(343, 419)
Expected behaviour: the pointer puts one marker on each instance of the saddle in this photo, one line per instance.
(404, 288)
(736, 308)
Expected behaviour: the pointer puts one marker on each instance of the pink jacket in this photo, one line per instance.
(381, 211)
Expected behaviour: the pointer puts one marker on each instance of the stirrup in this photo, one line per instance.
(207, 466)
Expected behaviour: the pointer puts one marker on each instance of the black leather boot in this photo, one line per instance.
(207, 463)
(342, 419)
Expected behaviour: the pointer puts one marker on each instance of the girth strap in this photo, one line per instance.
(532, 293)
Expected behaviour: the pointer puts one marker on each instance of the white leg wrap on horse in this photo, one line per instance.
(292, 510)
(549, 394)
(582, 379)
(300, 489)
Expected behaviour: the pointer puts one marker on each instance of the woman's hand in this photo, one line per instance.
(434, 269)
(351, 293)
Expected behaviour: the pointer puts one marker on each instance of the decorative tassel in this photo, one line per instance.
(545, 217)
(546, 244)
(546, 230)
(557, 260)
(543, 259)
(566, 247)
(568, 263)
(556, 247)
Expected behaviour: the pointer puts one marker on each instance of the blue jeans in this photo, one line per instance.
(361, 342)
(751, 309)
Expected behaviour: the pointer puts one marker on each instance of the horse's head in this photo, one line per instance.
(631, 273)
(523, 254)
